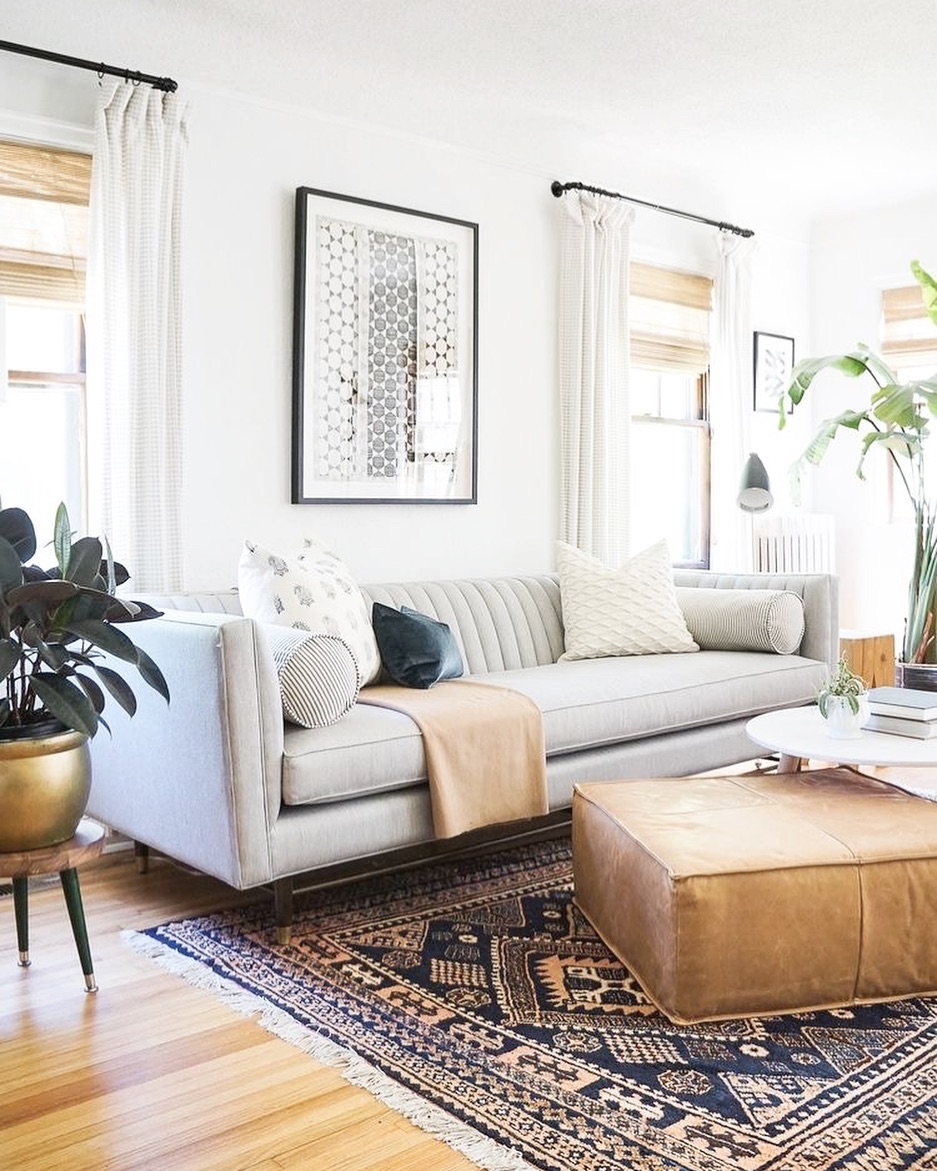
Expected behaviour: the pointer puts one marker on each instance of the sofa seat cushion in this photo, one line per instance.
(595, 702)
(370, 750)
(586, 704)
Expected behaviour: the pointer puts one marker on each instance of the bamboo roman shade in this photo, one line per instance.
(669, 314)
(909, 337)
(44, 212)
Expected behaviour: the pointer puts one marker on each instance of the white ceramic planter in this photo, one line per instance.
(841, 721)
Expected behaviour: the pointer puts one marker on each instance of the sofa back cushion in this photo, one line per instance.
(500, 624)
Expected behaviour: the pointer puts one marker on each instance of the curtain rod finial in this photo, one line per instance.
(557, 188)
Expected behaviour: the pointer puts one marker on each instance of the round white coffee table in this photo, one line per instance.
(799, 733)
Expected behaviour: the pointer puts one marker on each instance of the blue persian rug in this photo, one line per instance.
(475, 999)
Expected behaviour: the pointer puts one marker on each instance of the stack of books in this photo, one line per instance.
(903, 711)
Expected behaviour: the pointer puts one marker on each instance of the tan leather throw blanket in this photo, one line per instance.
(484, 749)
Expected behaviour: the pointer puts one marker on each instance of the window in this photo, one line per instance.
(43, 247)
(669, 323)
(909, 346)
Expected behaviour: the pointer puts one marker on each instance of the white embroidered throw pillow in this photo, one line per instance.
(315, 593)
(631, 610)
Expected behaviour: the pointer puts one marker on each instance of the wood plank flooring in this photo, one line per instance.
(150, 1072)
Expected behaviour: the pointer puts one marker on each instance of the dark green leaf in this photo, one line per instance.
(118, 687)
(17, 529)
(11, 568)
(44, 593)
(84, 561)
(65, 701)
(91, 689)
(5, 711)
(133, 612)
(86, 605)
(102, 635)
(9, 656)
(152, 674)
(54, 655)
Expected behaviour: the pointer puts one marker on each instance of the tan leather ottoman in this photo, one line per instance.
(737, 896)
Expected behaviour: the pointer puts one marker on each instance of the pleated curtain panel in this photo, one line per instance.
(134, 331)
(593, 374)
(730, 401)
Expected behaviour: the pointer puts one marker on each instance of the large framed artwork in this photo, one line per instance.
(385, 346)
(774, 363)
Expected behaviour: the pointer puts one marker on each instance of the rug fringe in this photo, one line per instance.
(483, 1152)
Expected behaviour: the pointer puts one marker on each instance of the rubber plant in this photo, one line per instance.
(56, 625)
(897, 419)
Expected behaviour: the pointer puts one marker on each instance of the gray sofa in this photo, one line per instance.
(218, 781)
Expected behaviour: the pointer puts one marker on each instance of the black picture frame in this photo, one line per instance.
(773, 362)
(385, 354)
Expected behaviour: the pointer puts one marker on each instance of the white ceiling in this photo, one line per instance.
(816, 105)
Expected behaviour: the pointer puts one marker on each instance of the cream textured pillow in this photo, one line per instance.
(743, 620)
(627, 611)
(318, 675)
(315, 593)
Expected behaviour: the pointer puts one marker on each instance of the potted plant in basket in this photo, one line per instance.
(55, 627)
(843, 702)
(897, 420)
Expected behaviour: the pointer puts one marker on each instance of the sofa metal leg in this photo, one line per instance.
(283, 908)
(141, 851)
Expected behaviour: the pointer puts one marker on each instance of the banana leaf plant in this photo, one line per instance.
(57, 624)
(896, 420)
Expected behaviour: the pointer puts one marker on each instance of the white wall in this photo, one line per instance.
(245, 159)
(853, 259)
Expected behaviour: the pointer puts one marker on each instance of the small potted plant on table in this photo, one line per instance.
(844, 702)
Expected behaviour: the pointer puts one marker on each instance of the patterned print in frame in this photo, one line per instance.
(390, 263)
(385, 354)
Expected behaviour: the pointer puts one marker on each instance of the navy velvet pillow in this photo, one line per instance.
(416, 650)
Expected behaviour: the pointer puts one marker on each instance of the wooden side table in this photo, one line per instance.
(66, 857)
(870, 655)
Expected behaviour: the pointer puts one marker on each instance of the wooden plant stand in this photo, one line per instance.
(65, 858)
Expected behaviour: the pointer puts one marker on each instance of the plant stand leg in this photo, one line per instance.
(21, 911)
(76, 914)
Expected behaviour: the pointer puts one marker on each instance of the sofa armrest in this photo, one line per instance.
(819, 591)
(199, 778)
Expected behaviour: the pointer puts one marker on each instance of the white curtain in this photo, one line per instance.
(593, 372)
(134, 331)
(730, 401)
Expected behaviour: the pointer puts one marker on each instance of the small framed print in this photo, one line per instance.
(774, 363)
(384, 354)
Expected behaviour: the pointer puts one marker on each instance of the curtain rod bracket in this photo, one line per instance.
(558, 188)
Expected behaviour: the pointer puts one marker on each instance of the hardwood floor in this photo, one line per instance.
(150, 1072)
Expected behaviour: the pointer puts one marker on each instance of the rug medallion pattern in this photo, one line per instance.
(479, 987)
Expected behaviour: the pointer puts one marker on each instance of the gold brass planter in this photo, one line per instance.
(44, 786)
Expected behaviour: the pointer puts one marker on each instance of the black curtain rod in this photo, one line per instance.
(164, 83)
(558, 188)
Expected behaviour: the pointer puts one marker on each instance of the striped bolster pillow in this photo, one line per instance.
(743, 620)
(318, 675)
